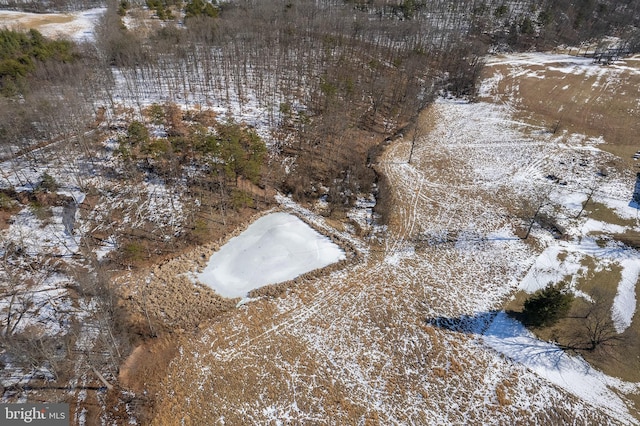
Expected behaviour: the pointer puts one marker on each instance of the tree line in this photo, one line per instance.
(19, 53)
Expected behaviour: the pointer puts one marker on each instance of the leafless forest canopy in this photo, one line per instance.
(323, 69)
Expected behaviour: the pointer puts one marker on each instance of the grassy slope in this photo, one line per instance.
(353, 346)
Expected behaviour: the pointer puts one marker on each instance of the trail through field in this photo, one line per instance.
(366, 343)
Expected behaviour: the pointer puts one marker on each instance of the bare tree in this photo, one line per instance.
(596, 329)
(531, 208)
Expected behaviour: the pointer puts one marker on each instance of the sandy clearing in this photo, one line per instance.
(78, 26)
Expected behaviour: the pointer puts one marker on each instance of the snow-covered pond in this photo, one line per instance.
(275, 248)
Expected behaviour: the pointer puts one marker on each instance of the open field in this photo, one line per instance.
(411, 332)
(78, 26)
(562, 92)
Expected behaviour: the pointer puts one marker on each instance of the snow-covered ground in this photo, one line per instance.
(511, 338)
(450, 254)
(450, 251)
(564, 261)
(275, 248)
(354, 345)
(567, 64)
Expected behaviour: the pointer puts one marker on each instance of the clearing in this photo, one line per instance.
(78, 26)
(413, 331)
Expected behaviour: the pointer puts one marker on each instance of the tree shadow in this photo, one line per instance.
(467, 324)
(473, 324)
(504, 332)
(635, 199)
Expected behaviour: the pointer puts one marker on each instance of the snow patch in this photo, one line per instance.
(34, 236)
(275, 248)
(549, 269)
(547, 360)
(564, 260)
(79, 26)
(624, 304)
(108, 245)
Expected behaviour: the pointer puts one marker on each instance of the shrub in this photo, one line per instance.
(241, 199)
(48, 183)
(156, 148)
(20, 51)
(155, 113)
(547, 306)
(123, 150)
(134, 252)
(6, 203)
(40, 211)
(200, 231)
(501, 11)
(122, 7)
(137, 133)
(196, 8)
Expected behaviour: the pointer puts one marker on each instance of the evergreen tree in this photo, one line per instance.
(547, 306)
(200, 8)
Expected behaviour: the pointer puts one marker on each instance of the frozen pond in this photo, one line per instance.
(275, 248)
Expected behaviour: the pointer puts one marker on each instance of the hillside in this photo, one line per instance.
(413, 332)
(153, 152)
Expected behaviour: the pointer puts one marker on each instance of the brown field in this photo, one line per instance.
(33, 20)
(354, 345)
(580, 102)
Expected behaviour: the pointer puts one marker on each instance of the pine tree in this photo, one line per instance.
(547, 306)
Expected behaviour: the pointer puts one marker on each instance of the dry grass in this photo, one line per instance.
(335, 342)
(31, 20)
(618, 361)
(578, 103)
(144, 369)
(502, 393)
(629, 238)
(163, 297)
(515, 303)
(593, 104)
(602, 213)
